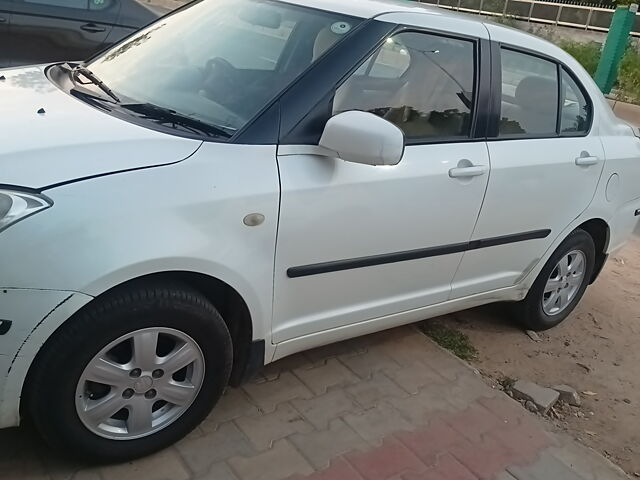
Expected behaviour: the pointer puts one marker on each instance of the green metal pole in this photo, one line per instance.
(615, 44)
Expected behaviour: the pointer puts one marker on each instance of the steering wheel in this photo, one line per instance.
(220, 78)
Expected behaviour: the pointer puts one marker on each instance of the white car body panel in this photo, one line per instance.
(337, 207)
(102, 231)
(71, 139)
(537, 187)
(36, 314)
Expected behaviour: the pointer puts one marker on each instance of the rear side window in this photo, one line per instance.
(529, 105)
(420, 82)
(575, 116)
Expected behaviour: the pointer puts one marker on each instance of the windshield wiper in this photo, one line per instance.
(167, 116)
(88, 74)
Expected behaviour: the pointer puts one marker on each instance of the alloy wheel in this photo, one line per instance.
(139, 383)
(564, 282)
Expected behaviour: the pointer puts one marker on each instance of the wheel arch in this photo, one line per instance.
(247, 354)
(599, 231)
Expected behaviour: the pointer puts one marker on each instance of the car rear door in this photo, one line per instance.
(546, 161)
(54, 30)
(359, 242)
(5, 18)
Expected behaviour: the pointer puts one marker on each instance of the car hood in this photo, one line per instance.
(49, 137)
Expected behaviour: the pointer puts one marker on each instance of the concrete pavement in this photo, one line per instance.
(392, 405)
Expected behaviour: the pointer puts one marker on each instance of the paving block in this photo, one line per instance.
(233, 404)
(419, 408)
(278, 463)
(376, 423)
(164, 465)
(273, 370)
(350, 347)
(368, 393)
(320, 410)
(447, 468)
(202, 452)
(263, 430)
(320, 446)
(267, 395)
(415, 376)
(407, 350)
(473, 422)
(544, 398)
(320, 378)
(506, 409)
(467, 388)
(370, 362)
(218, 471)
(389, 460)
(526, 440)
(586, 462)
(431, 441)
(339, 469)
(485, 459)
(547, 467)
(568, 394)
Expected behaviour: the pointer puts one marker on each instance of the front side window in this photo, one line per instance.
(218, 62)
(575, 115)
(420, 82)
(529, 104)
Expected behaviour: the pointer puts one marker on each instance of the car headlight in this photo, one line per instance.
(16, 205)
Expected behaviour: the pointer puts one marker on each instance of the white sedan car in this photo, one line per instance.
(246, 179)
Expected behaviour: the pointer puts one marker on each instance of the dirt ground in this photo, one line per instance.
(596, 350)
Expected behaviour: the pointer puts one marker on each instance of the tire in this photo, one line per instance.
(531, 312)
(59, 395)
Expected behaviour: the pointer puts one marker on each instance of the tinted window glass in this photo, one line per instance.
(529, 95)
(576, 114)
(422, 83)
(222, 61)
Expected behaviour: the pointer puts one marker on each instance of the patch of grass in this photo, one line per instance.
(456, 342)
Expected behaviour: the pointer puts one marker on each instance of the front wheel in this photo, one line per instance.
(560, 284)
(132, 373)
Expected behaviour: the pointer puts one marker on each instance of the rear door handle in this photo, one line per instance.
(586, 160)
(473, 171)
(92, 27)
(3, 20)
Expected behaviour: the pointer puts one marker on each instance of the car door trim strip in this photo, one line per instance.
(385, 258)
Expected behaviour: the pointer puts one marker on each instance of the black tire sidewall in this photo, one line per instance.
(531, 312)
(52, 400)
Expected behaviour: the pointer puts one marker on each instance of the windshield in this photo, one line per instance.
(219, 62)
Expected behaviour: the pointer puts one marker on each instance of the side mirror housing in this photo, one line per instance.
(363, 137)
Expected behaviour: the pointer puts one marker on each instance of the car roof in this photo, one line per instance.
(370, 8)
(378, 8)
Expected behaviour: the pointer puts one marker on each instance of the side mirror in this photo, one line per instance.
(363, 137)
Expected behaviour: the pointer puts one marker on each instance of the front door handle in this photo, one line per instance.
(92, 27)
(472, 171)
(585, 160)
(3, 20)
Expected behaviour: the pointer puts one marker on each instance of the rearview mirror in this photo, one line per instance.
(363, 137)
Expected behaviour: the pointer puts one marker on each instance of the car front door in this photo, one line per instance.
(54, 30)
(359, 242)
(546, 160)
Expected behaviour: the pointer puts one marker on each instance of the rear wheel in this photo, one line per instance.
(132, 373)
(560, 284)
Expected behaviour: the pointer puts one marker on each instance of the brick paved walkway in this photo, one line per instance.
(387, 406)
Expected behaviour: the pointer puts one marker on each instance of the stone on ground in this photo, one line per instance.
(568, 395)
(544, 398)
